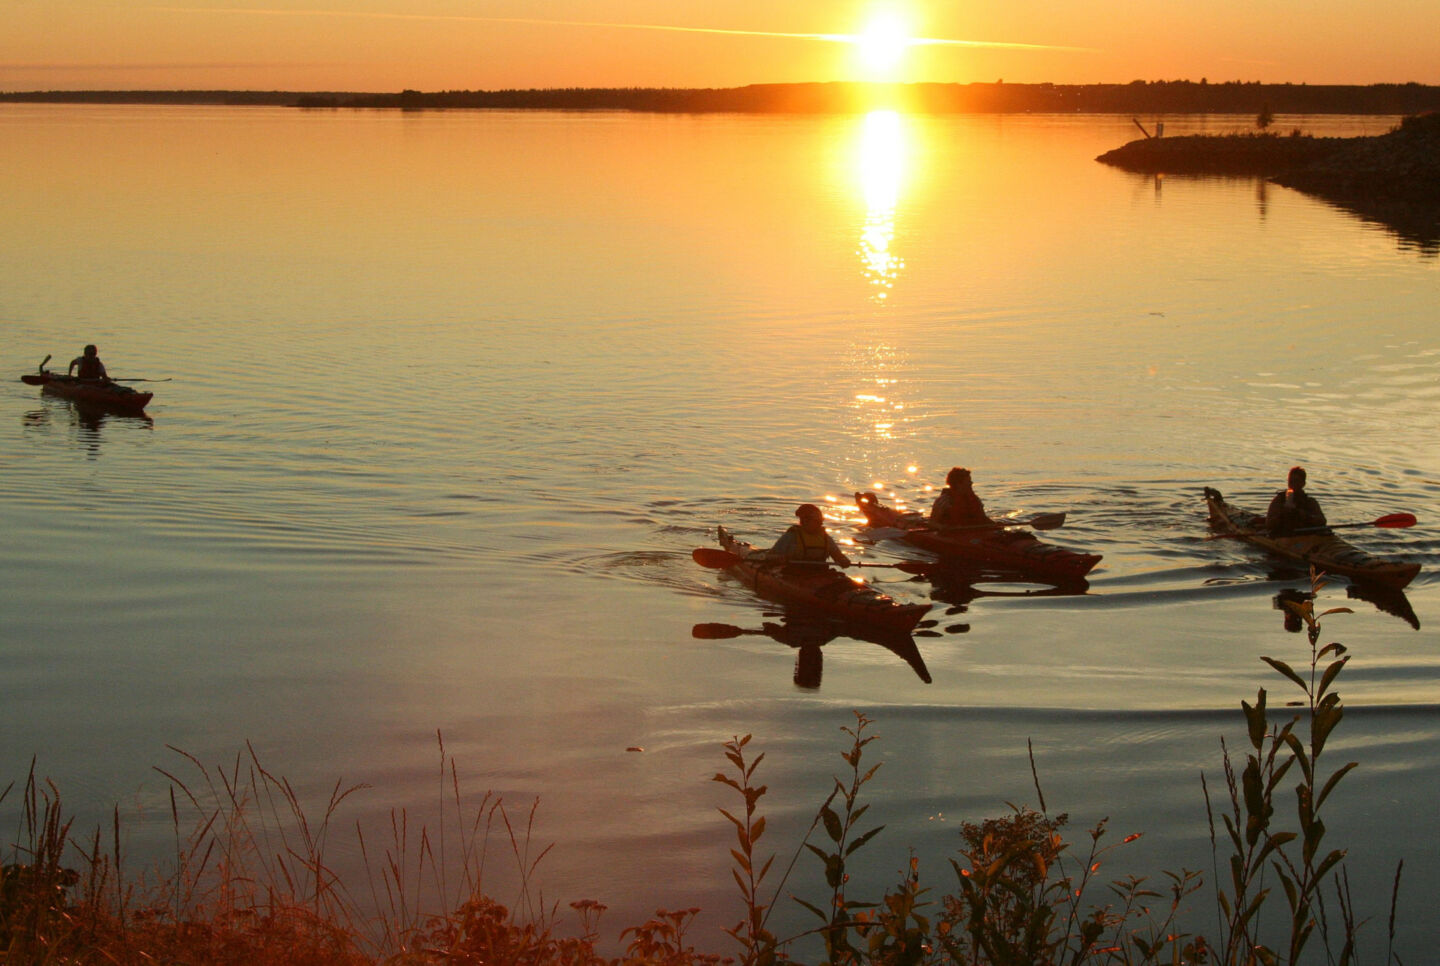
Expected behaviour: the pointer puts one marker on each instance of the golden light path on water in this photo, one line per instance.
(883, 155)
(882, 162)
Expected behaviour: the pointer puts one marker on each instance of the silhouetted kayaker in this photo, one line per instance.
(808, 541)
(957, 505)
(91, 368)
(1292, 508)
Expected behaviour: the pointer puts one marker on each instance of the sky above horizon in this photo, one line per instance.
(389, 45)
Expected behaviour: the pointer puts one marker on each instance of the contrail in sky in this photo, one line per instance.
(828, 38)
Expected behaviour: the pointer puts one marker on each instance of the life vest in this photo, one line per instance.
(810, 547)
(1287, 514)
(90, 367)
(958, 508)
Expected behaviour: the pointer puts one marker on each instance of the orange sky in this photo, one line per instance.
(387, 45)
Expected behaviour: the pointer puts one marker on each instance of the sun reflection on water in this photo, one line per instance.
(882, 161)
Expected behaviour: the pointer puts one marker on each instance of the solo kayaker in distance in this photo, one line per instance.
(807, 541)
(957, 505)
(91, 368)
(1292, 508)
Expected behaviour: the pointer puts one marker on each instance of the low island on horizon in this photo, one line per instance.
(998, 97)
(1391, 179)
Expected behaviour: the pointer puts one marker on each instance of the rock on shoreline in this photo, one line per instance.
(1403, 165)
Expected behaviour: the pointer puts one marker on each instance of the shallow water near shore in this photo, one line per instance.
(454, 395)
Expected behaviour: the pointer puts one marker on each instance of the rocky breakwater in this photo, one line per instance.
(1261, 155)
(1391, 178)
(1404, 164)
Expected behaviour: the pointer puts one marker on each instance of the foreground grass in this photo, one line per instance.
(249, 882)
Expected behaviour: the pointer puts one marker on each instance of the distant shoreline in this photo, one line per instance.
(1137, 97)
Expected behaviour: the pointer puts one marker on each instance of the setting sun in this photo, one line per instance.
(883, 43)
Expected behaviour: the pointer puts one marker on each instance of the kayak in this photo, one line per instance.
(109, 395)
(820, 588)
(1324, 551)
(998, 547)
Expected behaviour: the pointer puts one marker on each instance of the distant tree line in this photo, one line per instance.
(241, 98)
(1136, 97)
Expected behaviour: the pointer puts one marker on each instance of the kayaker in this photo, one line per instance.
(807, 541)
(957, 505)
(1292, 508)
(91, 368)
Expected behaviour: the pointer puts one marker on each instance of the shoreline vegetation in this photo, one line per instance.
(1136, 97)
(250, 883)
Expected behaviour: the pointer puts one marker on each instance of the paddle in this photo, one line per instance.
(1390, 521)
(32, 379)
(1045, 521)
(42, 363)
(717, 559)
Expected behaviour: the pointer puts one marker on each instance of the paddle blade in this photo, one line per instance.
(714, 557)
(914, 567)
(1394, 521)
(716, 632)
(1048, 521)
(30, 379)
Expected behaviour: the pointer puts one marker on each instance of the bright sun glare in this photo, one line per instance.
(883, 43)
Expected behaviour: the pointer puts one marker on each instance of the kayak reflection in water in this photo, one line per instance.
(1292, 508)
(807, 636)
(1386, 600)
(957, 505)
(808, 541)
(958, 587)
(91, 368)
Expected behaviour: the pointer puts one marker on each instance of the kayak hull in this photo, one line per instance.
(820, 589)
(111, 396)
(1008, 550)
(1323, 551)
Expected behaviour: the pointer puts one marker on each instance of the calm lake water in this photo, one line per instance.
(452, 397)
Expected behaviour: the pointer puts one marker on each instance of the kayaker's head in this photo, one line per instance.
(810, 517)
(958, 478)
(91, 351)
(1296, 479)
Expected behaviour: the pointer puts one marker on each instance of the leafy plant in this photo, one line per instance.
(842, 830)
(759, 944)
(1258, 847)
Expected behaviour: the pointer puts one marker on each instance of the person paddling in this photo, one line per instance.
(91, 368)
(1292, 508)
(807, 541)
(957, 505)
